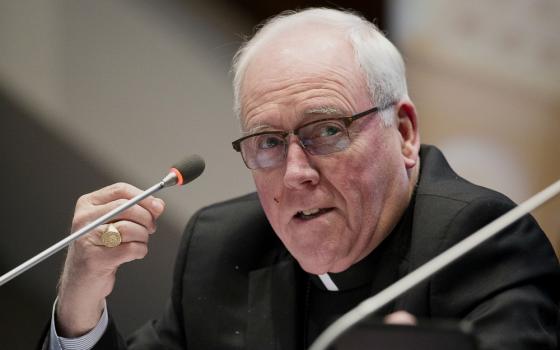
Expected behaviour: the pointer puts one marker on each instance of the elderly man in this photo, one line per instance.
(347, 202)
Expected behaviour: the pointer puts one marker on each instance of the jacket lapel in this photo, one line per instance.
(273, 318)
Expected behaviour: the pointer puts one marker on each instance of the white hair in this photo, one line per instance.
(380, 61)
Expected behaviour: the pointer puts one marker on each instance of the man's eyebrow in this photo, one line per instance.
(323, 110)
(256, 129)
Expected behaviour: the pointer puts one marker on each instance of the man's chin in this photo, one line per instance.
(319, 266)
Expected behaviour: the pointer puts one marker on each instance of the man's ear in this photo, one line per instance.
(407, 126)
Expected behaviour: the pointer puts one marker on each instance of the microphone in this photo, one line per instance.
(185, 171)
(181, 173)
(376, 302)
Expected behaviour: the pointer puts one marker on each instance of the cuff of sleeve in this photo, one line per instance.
(86, 341)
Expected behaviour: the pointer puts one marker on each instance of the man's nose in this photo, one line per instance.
(300, 173)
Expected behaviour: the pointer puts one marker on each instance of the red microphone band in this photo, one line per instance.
(180, 179)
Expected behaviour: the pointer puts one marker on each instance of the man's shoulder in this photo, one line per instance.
(447, 208)
(239, 215)
(235, 229)
(246, 202)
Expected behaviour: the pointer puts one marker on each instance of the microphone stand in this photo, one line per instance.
(169, 180)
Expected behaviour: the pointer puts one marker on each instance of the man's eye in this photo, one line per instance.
(321, 132)
(329, 130)
(269, 141)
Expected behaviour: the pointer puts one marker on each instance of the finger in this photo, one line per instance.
(135, 214)
(105, 259)
(110, 193)
(129, 232)
(123, 191)
(131, 251)
(400, 317)
(123, 253)
(132, 232)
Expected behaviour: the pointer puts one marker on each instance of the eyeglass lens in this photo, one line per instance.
(320, 138)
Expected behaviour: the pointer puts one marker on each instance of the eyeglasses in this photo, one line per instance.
(268, 149)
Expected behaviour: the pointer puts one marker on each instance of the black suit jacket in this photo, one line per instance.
(236, 287)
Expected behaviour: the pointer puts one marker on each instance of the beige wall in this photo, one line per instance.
(134, 85)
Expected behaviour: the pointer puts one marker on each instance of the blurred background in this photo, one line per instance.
(94, 92)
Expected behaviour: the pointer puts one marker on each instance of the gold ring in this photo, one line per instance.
(111, 237)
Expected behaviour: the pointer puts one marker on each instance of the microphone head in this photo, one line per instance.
(188, 169)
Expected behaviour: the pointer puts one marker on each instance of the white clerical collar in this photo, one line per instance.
(328, 282)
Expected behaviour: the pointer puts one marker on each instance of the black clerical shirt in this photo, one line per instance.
(322, 307)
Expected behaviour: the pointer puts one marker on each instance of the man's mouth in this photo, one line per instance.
(311, 213)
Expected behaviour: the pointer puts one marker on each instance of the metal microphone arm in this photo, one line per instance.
(370, 305)
(169, 180)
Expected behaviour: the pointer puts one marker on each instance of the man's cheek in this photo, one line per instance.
(268, 203)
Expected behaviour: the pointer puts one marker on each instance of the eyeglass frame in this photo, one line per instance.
(284, 134)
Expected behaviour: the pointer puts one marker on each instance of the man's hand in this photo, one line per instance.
(400, 317)
(90, 267)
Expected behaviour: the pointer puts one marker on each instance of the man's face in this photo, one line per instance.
(354, 197)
